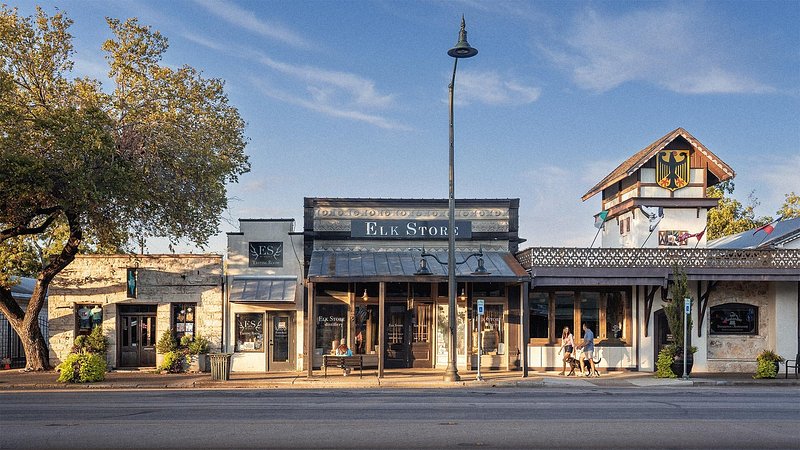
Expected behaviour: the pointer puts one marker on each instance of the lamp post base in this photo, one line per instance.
(451, 374)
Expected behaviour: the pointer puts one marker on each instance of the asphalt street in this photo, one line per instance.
(727, 417)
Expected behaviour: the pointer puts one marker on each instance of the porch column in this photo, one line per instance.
(381, 325)
(310, 331)
(524, 318)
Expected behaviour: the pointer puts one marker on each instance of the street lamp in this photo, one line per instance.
(461, 50)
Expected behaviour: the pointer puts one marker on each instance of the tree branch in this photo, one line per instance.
(21, 230)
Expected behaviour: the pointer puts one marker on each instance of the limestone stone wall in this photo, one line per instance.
(161, 281)
(737, 353)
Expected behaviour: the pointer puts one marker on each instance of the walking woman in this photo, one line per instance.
(567, 346)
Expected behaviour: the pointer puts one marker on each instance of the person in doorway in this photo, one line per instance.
(567, 346)
(588, 350)
(342, 350)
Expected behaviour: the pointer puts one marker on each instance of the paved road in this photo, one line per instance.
(731, 417)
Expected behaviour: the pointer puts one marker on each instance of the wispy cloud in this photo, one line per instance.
(319, 101)
(663, 46)
(330, 92)
(246, 19)
(493, 89)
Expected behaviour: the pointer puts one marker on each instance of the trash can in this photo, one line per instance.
(220, 366)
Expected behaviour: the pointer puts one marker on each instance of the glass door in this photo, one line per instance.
(281, 342)
(397, 336)
(137, 340)
(421, 347)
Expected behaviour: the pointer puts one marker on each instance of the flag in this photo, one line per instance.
(653, 214)
(600, 219)
(685, 236)
(768, 228)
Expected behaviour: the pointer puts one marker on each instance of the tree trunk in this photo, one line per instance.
(37, 355)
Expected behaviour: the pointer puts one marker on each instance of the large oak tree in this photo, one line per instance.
(149, 155)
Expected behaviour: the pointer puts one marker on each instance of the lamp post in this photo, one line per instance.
(461, 50)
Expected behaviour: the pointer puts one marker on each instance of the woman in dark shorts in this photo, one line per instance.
(567, 346)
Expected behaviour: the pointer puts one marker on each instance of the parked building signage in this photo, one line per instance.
(408, 229)
(265, 254)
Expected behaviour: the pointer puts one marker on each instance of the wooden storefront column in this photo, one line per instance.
(381, 325)
(310, 331)
(525, 325)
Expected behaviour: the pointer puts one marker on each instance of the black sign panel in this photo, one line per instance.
(265, 254)
(734, 318)
(408, 229)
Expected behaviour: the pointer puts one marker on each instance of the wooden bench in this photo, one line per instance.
(344, 362)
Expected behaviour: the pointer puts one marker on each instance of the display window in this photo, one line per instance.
(183, 319)
(607, 312)
(87, 317)
(490, 329)
(249, 332)
(365, 327)
(330, 327)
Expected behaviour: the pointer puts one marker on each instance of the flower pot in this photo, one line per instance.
(203, 362)
(192, 363)
(777, 367)
(677, 364)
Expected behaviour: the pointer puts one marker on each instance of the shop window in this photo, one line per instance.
(565, 313)
(398, 290)
(421, 290)
(735, 319)
(491, 330)
(331, 320)
(488, 290)
(334, 290)
(87, 317)
(615, 316)
(590, 312)
(366, 329)
(539, 315)
(183, 315)
(249, 332)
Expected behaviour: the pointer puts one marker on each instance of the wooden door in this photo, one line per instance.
(421, 340)
(137, 337)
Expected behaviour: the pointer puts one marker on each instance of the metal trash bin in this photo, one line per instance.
(220, 366)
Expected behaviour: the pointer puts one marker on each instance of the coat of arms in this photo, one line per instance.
(672, 169)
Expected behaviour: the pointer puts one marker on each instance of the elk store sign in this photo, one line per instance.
(408, 229)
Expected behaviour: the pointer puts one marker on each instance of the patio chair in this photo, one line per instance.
(793, 366)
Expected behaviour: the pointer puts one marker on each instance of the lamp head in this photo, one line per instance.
(462, 48)
(423, 268)
(481, 269)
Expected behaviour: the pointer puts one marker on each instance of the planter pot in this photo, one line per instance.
(159, 360)
(677, 364)
(203, 363)
(192, 363)
(777, 368)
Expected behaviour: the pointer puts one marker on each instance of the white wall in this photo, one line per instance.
(785, 334)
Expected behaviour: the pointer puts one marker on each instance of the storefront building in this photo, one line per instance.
(366, 286)
(135, 298)
(653, 219)
(264, 299)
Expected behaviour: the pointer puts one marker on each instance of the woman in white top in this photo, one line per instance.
(567, 346)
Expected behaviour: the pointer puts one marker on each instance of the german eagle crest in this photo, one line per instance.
(672, 169)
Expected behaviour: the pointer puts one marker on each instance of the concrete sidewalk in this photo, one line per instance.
(397, 379)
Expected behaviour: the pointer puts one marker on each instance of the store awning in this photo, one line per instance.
(263, 289)
(370, 266)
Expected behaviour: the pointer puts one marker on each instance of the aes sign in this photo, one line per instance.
(408, 229)
(265, 254)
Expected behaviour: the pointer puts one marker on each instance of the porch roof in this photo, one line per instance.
(371, 266)
(263, 289)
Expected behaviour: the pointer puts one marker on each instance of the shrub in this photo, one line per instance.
(82, 368)
(664, 362)
(167, 343)
(197, 346)
(173, 362)
(766, 364)
(97, 342)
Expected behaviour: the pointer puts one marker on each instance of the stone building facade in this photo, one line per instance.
(135, 298)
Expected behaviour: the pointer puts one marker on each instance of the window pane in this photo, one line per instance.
(734, 318)
(249, 332)
(330, 326)
(183, 319)
(615, 316)
(589, 310)
(539, 320)
(565, 312)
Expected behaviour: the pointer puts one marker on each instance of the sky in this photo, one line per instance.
(350, 99)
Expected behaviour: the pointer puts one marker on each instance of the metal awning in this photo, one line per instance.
(371, 266)
(263, 289)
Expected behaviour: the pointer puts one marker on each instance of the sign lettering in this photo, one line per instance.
(265, 254)
(408, 229)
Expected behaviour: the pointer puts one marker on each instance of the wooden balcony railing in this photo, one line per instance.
(659, 257)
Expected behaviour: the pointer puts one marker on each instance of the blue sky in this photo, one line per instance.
(349, 98)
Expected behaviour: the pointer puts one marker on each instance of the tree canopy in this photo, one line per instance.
(150, 155)
(731, 216)
(791, 206)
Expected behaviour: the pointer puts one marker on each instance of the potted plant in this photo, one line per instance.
(196, 353)
(674, 310)
(86, 362)
(767, 364)
(166, 344)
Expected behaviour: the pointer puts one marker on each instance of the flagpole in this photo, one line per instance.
(702, 233)
(648, 237)
(595, 236)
